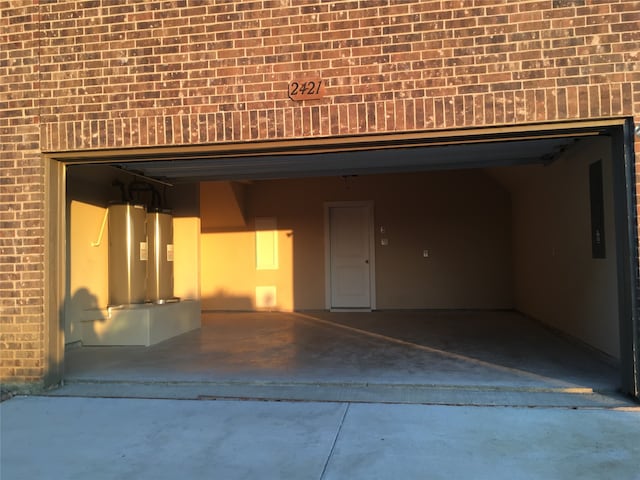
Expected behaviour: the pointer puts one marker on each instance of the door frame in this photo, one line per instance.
(626, 228)
(327, 253)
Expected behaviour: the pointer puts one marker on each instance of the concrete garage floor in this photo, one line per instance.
(441, 357)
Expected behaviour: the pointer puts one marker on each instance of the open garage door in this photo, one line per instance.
(481, 219)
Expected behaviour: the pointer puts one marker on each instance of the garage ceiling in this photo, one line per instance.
(348, 155)
(470, 155)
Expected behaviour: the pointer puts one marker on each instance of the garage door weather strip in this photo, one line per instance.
(484, 396)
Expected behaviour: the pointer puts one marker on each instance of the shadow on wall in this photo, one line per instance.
(81, 307)
(68, 318)
(265, 300)
(222, 300)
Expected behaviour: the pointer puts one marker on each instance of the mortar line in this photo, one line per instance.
(335, 440)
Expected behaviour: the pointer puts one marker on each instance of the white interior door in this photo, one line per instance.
(350, 255)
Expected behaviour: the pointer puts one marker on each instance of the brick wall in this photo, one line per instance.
(21, 198)
(124, 73)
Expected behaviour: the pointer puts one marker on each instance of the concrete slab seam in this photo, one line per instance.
(335, 440)
(349, 401)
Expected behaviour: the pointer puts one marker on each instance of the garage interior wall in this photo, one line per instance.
(461, 217)
(513, 237)
(556, 279)
(89, 192)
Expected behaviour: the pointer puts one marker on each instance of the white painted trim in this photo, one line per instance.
(372, 253)
(351, 310)
(371, 141)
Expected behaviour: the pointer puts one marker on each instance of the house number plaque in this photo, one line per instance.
(306, 89)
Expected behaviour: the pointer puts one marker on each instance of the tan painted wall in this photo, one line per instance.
(186, 263)
(185, 206)
(88, 193)
(231, 194)
(229, 274)
(556, 280)
(88, 266)
(462, 218)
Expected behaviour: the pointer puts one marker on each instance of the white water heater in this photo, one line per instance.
(128, 254)
(160, 265)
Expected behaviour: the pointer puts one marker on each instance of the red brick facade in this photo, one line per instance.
(114, 74)
(22, 328)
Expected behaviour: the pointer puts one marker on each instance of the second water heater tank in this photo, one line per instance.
(160, 266)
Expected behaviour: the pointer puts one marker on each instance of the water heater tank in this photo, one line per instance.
(127, 254)
(160, 267)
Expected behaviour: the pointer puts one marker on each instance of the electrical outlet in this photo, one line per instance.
(425, 253)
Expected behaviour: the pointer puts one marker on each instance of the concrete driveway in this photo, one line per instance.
(99, 438)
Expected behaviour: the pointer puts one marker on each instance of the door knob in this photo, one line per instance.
(366, 261)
